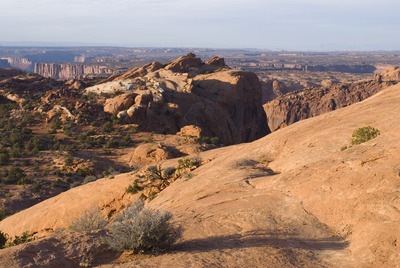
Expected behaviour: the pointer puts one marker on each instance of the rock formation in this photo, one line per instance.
(224, 103)
(298, 105)
(64, 71)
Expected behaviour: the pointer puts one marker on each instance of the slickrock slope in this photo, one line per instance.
(298, 105)
(290, 199)
(222, 102)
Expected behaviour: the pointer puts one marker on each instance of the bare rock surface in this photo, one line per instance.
(290, 199)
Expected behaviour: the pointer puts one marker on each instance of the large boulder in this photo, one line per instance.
(184, 63)
(119, 103)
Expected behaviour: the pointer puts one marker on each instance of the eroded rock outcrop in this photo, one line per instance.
(221, 102)
(298, 105)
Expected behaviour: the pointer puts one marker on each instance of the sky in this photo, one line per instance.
(282, 24)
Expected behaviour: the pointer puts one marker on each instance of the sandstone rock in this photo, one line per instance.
(139, 71)
(298, 105)
(59, 112)
(150, 153)
(119, 103)
(191, 130)
(391, 74)
(224, 104)
(184, 63)
(217, 61)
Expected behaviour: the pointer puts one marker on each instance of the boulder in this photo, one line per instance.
(191, 130)
(119, 103)
(184, 63)
(217, 61)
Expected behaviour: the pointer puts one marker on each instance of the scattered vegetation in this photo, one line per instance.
(133, 188)
(142, 229)
(89, 220)
(364, 134)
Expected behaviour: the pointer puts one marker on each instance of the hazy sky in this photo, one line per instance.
(280, 24)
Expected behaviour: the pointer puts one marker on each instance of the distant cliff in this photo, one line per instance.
(63, 71)
(19, 63)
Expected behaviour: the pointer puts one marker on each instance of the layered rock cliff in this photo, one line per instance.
(298, 105)
(64, 71)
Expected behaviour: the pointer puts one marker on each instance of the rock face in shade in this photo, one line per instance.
(221, 102)
(298, 105)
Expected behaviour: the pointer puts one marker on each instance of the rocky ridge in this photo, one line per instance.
(224, 103)
(302, 104)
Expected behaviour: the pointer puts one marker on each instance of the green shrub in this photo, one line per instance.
(3, 239)
(56, 124)
(112, 143)
(14, 175)
(168, 172)
(68, 161)
(89, 220)
(142, 229)
(107, 127)
(364, 134)
(24, 238)
(4, 157)
(134, 188)
(4, 213)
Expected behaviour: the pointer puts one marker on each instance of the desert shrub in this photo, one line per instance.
(134, 129)
(14, 174)
(184, 163)
(89, 179)
(4, 213)
(142, 229)
(3, 239)
(83, 172)
(214, 140)
(364, 134)
(154, 172)
(56, 124)
(112, 143)
(4, 157)
(168, 172)
(89, 220)
(107, 127)
(133, 188)
(68, 161)
(24, 238)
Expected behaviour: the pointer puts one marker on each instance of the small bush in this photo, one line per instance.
(154, 173)
(364, 134)
(14, 175)
(168, 172)
(24, 238)
(142, 229)
(68, 162)
(134, 188)
(89, 179)
(89, 220)
(3, 239)
(4, 213)
(4, 158)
